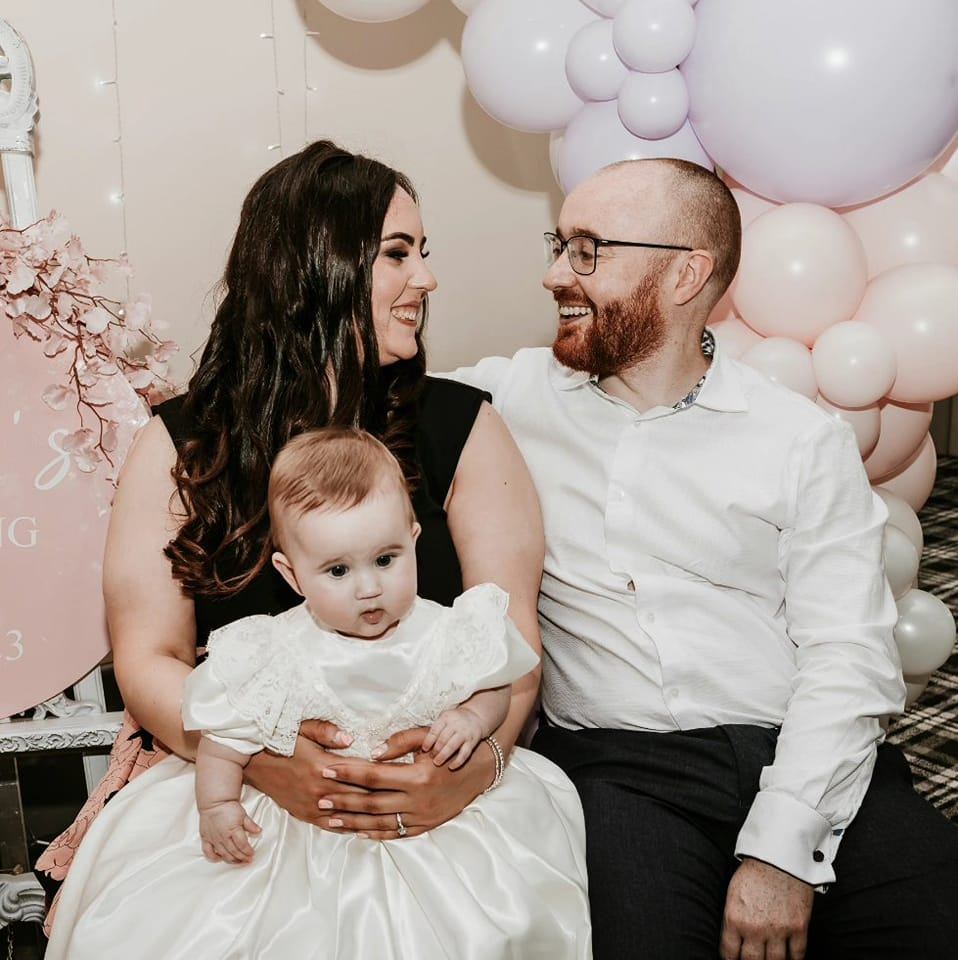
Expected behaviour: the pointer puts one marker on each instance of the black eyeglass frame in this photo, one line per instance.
(601, 242)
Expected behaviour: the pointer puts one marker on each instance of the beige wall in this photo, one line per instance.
(158, 162)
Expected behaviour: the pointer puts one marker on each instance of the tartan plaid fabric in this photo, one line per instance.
(928, 732)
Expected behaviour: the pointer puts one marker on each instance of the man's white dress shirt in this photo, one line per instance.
(714, 565)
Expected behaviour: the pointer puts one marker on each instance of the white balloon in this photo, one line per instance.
(514, 53)
(592, 65)
(901, 561)
(654, 105)
(373, 11)
(786, 362)
(901, 515)
(608, 8)
(824, 102)
(654, 35)
(596, 137)
(914, 688)
(925, 632)
(466, 6)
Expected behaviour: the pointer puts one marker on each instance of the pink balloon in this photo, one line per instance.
(866, 422)
(824, 102)
(802, 270)
(750, 205)
(903, 430)
(52, 529)
(734, 336)
(916, 479)
(918, 224)
(596, 137)
(854, 364)
(786, 362)
(514, 56)
(916, 307)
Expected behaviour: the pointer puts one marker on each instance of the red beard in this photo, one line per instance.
(620, 335)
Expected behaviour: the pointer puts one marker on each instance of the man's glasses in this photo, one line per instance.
(584, 251)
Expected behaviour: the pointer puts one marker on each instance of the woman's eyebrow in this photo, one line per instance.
(403, 236)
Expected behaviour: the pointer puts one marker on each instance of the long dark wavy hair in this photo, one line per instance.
(292, 347)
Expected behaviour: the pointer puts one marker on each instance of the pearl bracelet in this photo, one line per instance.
(500, 762)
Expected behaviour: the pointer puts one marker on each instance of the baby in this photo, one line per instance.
(346, 536)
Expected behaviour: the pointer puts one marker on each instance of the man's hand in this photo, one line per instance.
(766, 914)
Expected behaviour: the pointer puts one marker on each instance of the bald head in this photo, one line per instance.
(672, 201)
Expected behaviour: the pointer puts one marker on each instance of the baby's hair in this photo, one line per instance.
(332, 468)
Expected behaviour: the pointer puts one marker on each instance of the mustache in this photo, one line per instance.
(568, 300)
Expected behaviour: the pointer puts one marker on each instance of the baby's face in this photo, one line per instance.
(356, 567)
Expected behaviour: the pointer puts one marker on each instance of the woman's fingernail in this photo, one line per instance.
(325, 804)
(344, 738)
(379, 751)
(335, 822)
(329, 774)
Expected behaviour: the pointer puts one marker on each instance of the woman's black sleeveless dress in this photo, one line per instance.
(446, 412)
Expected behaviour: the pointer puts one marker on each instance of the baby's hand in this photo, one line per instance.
(223, 830)
(454, 732)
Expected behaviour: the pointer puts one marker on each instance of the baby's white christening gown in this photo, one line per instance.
(504, 879)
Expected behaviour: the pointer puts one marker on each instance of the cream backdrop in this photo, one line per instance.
(157, 116)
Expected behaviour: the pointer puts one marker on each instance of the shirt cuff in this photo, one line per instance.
(786, 833)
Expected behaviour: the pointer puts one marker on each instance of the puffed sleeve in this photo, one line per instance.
(482, 648)
(248, 694)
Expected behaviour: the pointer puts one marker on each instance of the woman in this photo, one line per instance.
(326, 293)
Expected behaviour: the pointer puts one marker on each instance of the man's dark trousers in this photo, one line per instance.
(663, 811)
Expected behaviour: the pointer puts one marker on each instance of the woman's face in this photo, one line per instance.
(401, 281)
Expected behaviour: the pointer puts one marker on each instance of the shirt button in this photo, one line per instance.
(616, 493)
(674, 693)
(649, 618)
(818, 856)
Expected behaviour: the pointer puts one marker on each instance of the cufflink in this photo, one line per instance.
(818, 856)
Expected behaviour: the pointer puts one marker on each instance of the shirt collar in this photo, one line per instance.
(721, 391)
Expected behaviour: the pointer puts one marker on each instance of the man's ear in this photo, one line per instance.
(693, 276)
(281, 562)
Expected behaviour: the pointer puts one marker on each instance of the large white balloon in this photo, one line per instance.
(514, 54)
(373, 11)
(596, 137)
(925, 632)
(608, 8)
(831, 103)
(654, 105)
(654, 35)
(592, 65)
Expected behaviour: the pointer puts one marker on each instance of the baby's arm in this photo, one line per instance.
(459, 731)
(224, 824)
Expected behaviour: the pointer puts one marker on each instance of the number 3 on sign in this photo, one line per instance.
(15, 640)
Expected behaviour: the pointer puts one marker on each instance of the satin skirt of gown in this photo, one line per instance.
(504, 879)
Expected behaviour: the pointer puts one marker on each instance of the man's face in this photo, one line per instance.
(613, 318)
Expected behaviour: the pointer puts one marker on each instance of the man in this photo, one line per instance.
(717, 627)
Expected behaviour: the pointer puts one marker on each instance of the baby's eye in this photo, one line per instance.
(339, 571)
(384, 560)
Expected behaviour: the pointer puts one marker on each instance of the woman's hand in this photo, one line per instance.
(297, 783)
(365, 797)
